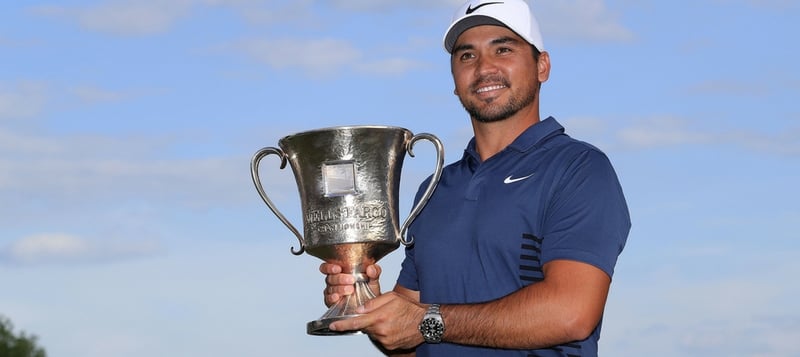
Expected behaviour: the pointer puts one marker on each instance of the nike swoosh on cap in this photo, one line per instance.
(511, 179)
(471, 10)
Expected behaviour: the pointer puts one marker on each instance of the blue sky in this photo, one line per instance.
(129, 225)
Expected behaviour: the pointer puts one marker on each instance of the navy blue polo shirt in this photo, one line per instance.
(490, 226)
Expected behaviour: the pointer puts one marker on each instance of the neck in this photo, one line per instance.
(491, 138)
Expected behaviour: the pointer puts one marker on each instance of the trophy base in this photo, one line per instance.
(320, 327)
(342, 310)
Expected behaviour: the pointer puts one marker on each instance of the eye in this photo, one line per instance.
(466, 56)
(501, 50)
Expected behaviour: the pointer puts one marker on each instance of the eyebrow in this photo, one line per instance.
(497, 41)
(505, 39)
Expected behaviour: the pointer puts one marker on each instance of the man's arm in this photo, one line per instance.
(566, 306)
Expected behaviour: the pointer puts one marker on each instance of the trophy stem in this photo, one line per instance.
(344, 309)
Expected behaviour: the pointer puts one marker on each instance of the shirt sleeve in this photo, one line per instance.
(587, 219)
(408, 271)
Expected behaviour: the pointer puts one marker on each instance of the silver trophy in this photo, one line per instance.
(348, 178)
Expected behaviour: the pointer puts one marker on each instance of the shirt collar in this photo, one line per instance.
(537, 134)
(532, 137)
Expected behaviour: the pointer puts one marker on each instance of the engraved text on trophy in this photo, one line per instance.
(359, 217)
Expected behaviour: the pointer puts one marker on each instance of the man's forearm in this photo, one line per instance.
(504, 323)
(561, 309)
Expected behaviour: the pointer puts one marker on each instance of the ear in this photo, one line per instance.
(543, 66)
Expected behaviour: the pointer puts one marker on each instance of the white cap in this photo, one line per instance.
(513, 14)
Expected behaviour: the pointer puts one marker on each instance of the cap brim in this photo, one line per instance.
(466, 23)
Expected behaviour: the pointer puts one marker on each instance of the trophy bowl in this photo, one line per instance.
(349, 181)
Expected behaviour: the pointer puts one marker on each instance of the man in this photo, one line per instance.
(514, 252)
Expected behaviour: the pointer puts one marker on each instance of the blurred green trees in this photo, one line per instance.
(12, 345)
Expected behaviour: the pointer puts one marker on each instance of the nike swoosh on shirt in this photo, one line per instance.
(511, 179)
(471, 10)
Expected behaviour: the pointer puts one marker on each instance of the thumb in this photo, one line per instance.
(374, 271)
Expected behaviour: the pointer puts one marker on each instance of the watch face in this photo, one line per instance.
(432, 330)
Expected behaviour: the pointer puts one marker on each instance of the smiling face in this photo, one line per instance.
(496, 74)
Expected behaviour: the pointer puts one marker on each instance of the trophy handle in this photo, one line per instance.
(431, 186)
(260, 154)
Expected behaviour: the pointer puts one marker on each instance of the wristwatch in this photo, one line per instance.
(432, 325)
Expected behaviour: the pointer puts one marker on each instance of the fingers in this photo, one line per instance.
(328, 268)
(339, 284)
(357, 323)
(331, 296)
(363, 321)
(334, 275)
(374, 271)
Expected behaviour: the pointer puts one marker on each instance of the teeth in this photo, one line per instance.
(490, 88)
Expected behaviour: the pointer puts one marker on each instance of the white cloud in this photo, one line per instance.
(321, 58)
(580, 20)
(653, 132)
(776, 82)
(705, 312)
(778, 5)
(24, 100)
(785, 143)
(294, 12)
(576, 20)
(661, 131)
(384, 5)
(16, 42)
(730, 87)
(65, 248)
(152, 17)
(318, 57)
(92, 169)
(583, 20)
(673, 131)
(122, 17)
(67, 177)
(391, 66)
(754, 336)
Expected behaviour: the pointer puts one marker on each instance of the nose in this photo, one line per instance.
(485, 65)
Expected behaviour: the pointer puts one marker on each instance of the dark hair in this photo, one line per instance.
(536, 53)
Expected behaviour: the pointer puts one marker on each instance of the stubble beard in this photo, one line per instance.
(499, 111)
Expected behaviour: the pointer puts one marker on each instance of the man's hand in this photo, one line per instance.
(338, 284)
(391, 319)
